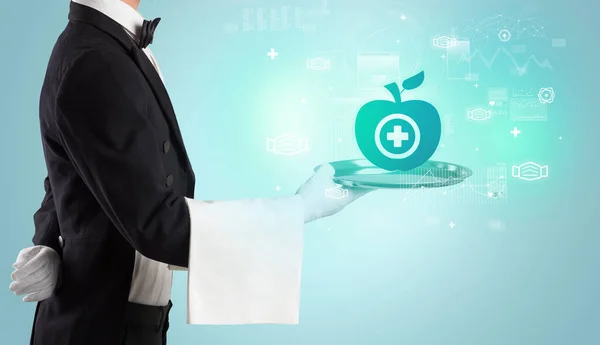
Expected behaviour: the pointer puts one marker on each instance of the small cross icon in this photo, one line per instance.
(476, 85)
(451, 225)
(272, 54)
(397, 136)
(515, 132)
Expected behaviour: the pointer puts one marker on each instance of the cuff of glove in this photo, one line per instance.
(177, 268)
(297, 202)
(309, 214)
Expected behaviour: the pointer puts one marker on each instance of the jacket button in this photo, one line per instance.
(169, 180)
(166, 146)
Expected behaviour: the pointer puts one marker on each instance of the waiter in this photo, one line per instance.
(119, 205)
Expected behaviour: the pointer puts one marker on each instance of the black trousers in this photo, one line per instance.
(147, 325)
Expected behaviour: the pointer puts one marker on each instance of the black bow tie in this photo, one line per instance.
(147, 34)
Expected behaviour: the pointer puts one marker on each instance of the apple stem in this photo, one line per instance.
(395, 91)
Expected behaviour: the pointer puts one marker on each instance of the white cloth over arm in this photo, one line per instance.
(245, 261)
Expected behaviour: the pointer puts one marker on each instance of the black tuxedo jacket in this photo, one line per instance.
(117, 176)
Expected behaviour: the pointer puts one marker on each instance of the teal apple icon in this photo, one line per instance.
(398, 135)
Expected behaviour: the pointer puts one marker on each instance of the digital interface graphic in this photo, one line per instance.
(489, 76)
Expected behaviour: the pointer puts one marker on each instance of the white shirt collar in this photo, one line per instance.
(130, 19)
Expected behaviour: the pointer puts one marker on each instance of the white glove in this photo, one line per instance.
(323, 198)
(36, 273)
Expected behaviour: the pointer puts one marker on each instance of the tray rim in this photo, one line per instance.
(338, 179)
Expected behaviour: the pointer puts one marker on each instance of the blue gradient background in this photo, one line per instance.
(382, 274)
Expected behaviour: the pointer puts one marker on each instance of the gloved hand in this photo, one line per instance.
(314, 193)
(36, 274)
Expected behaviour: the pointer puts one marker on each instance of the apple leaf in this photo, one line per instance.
(414, 82)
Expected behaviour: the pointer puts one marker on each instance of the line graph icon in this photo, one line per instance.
(496, 181)
(487, 186)
(519, 68)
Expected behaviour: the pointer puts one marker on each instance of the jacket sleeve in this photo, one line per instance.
(47, 229)
(102, 124)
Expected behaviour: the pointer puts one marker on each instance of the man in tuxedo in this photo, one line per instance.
(119, 205)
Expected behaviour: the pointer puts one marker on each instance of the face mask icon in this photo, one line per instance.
(318, 64)
(336, 193)
(479, 114)
(287, 145)
(529, 171)
(444, 42)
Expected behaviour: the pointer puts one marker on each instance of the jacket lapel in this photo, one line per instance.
(160, 92)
